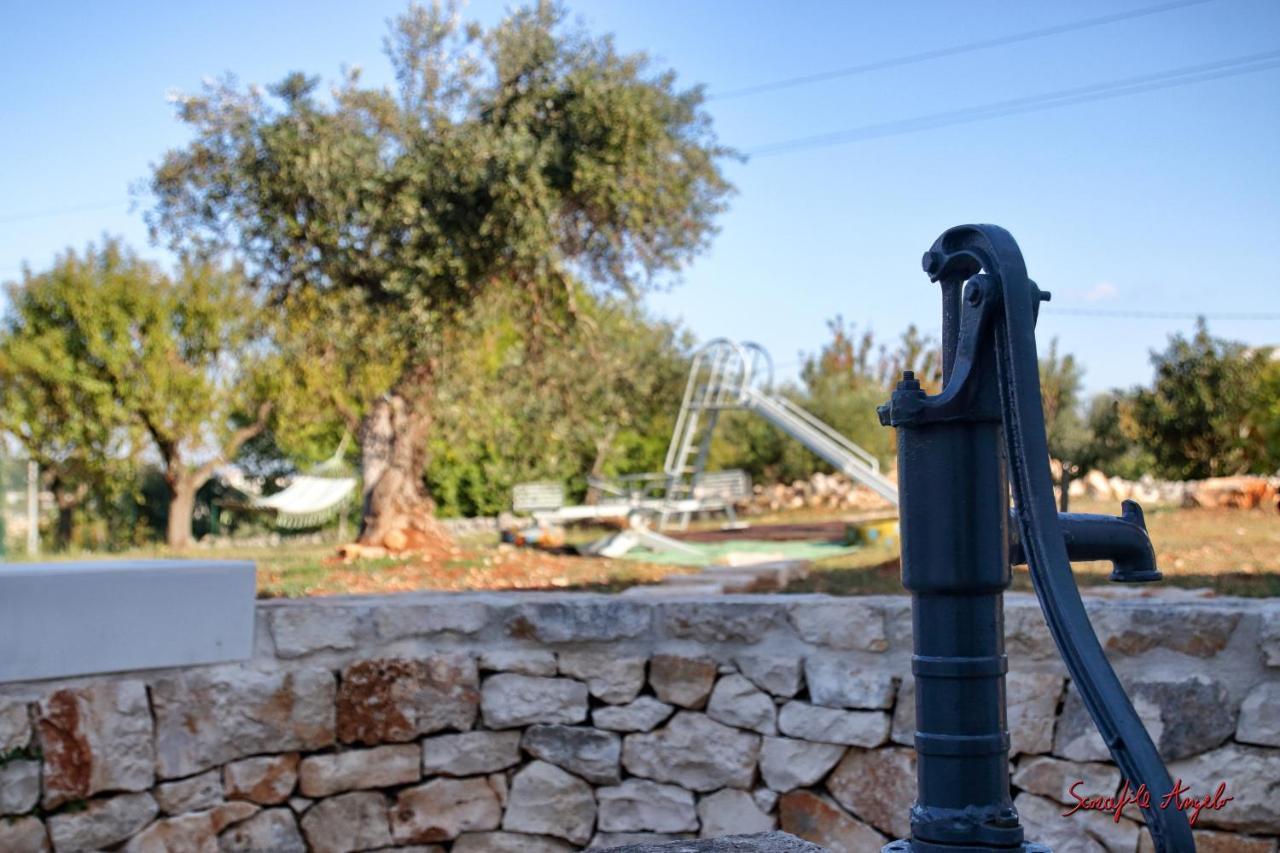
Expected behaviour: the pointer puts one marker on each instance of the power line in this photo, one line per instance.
(1172, 78)
(1136, 314)
(938, 53)
(59, 211)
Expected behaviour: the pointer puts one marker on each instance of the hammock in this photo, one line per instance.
(308, 501)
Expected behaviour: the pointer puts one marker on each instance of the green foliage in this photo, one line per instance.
(514, 407)
(1206, 414)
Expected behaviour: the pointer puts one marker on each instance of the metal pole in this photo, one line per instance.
(33, 508)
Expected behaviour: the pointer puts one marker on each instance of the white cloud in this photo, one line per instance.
(1100, 292)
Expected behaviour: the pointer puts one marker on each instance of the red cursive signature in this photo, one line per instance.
(1178, 797)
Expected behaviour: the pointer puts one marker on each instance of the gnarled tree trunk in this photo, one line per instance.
(182, 505)
(398, 514)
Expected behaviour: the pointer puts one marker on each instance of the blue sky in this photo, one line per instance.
(1166, 201)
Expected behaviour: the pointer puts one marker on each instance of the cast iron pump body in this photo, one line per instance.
(960, 453)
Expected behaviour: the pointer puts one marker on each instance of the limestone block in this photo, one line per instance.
(831, 725)
(443, 809)
(639, 805)
(640, 715)
(95, 738)
(611, 678)
(735, 701)
(879, 786)
(355, 821)
(102, 822)
(732, 812)
(545, 800)
(509, 700)
(470, 753)
(393, 700)
(591, 754)
(356, 769)
(264, 779)
(683, 681)
(206, 717)
(693, 751)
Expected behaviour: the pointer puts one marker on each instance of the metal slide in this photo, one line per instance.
(822, 440)
(727, 375)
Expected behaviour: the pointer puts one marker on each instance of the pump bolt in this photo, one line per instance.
(909, 381)
(931, 262)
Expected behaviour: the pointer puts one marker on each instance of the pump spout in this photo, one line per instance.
(1122, 540)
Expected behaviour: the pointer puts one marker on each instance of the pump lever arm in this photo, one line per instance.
(964, 251)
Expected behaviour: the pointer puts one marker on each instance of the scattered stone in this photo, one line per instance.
(509, 700)
(19, 786)
(509, 842)
(849, 623)
(422, 620)
(610, 678)
(1026, 636)
(774, 674)
(641, 715)
(346, 822)
(735, 701)
(638, 805)
(765, 799)
(229, 814)
(302, 630)
(682, 681)
(523, 661)
(732, 812)
(591, 754)
(102, 822)
(787, 764)
(1252, 775)
(501, 787)
(393, 700)
(266, 779)
(1208, 841)
(207, 717)
(23, 835)
(300, 804)
(743, 621)
(545, 800)
(580, 620)
(830, 725)
(269, 831)
(1260, 716)
(879, 786)
(1196, 630)
(1032, 700)
(95, 738)
(1185, 717)
(379, 767)
(1053, 777)
(836, 682)
(443, 809)
(190, 833)
(189, 795)
(817, 819)
(694, 751)
(470, 753)
(15, 726)
(1082, 832)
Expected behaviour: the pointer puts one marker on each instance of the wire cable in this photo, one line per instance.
(59, 211)
(938, 53)
(1172, 78)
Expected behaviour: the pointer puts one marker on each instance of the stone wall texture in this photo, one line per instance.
(540, 723)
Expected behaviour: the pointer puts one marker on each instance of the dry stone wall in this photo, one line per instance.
(541, 723)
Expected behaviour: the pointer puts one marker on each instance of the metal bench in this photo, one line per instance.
(722, 491)
(534, 498)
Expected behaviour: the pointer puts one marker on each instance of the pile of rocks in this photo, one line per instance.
(1242, 492)
(820, 491)
(547, 723)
